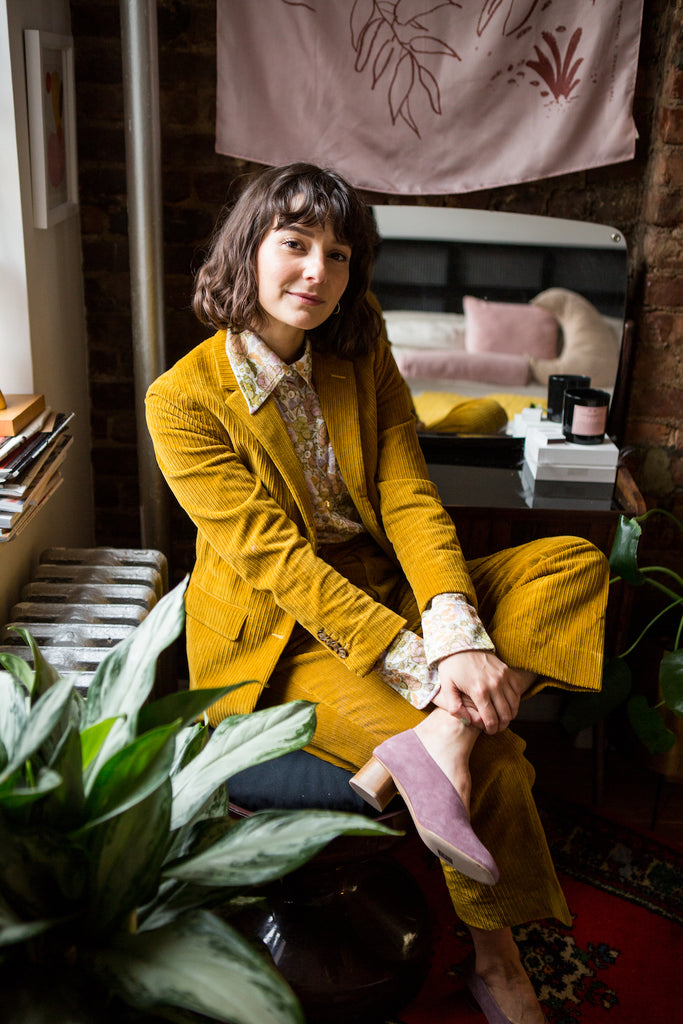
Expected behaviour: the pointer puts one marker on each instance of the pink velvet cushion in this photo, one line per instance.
(489, 368)
(514, 328)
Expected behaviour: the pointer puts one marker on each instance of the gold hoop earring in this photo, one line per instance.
(337, 310)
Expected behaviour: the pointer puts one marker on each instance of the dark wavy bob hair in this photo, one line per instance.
(226, 288)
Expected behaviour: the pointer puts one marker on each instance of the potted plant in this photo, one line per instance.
(116, 843)
(648, 720)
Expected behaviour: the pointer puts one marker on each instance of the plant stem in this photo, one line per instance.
(678, 598)
(662, 511)
(652, 621)
(665, 570)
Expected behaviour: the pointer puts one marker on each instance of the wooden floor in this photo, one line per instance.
(629, 790)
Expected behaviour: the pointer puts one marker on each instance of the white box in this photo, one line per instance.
(578, 474)
(546, 445)
(565, 491)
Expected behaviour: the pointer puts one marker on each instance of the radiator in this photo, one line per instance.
(82, 602)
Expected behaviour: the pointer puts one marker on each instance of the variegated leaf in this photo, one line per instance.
(124, 678)
(128, 853)
(39, 724)
(201, 964)
(237, 743)
(270, 844)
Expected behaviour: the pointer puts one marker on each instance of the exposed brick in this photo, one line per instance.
(93, 219)
(124, 526)
(107, 252)
(664, 207)
(663, 291)
(668, 167)
(115, 462)
(197, 181)
(107, 493)
(662, 249)
(653, 401)
(675, 91)
(104, 363)
(672, 125)
(656, 434)
(123, 427)
(661, 330)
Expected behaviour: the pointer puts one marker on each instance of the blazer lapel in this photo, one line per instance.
(270, 432)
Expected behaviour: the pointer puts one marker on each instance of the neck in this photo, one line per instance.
(289, 346)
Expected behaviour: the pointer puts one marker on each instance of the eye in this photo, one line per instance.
(292, 243)
(340, 257)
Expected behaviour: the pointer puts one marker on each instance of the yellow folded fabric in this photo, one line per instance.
(513, 403)
(438, 410)
(448, 412)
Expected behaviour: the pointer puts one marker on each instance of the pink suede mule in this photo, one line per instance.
(435, 806)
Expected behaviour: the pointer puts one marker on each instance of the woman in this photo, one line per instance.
(323, 554)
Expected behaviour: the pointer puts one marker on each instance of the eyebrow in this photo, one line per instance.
(309, 232)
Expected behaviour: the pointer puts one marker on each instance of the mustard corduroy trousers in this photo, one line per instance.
(543, 604)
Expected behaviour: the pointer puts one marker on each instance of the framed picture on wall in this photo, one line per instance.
(52, 125)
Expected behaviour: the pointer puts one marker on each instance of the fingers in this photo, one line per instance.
(451, 700)
(488, 690)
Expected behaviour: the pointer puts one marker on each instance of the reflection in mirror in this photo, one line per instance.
(479, 303)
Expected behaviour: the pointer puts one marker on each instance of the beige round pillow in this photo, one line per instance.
(589, 344)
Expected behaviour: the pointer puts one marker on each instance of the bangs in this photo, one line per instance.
(304, 203)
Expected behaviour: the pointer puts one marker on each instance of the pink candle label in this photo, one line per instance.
(589, 420)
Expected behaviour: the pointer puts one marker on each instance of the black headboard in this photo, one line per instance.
(434, 275)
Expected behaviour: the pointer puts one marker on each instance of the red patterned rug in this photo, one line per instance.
(622, 960)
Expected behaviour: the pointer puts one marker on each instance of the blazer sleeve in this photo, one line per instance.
(248, 525)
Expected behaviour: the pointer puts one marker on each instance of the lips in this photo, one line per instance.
(307, 299)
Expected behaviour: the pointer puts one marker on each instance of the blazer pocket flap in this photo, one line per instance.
(216, 613)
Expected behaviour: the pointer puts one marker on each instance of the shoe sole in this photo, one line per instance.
(444, 851)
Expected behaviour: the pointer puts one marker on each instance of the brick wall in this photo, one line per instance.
(643, 198)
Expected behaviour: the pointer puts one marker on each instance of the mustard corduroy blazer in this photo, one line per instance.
(237, 476)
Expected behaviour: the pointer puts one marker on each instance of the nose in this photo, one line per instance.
(314, 269)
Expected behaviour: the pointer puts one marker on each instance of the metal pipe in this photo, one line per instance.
(143, 171)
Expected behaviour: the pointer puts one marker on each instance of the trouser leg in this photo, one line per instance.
(543, 605)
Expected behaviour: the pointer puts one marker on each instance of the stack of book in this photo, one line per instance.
(559, 474)
(33, 444)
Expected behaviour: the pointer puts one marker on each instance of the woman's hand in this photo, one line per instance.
(478, 687)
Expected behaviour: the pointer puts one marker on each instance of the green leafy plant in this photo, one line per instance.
(119, 863)
(646, 719)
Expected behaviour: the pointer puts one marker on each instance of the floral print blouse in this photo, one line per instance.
(449, 623)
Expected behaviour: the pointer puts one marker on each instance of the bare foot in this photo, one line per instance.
(515, 995)
(499, 965)
(449, 743)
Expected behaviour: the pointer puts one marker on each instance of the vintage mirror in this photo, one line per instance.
(465, 292)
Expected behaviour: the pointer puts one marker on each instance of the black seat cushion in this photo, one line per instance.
(296, 780)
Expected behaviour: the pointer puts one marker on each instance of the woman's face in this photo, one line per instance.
(302, 272)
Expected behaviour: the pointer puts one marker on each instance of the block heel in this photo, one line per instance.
(374, 784)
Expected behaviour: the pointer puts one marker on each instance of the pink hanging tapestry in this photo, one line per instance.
(426, 97)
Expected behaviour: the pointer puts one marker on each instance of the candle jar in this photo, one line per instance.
(584, 417)
(558, 383)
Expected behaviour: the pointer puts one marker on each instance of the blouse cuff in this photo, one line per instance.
(404, 667)
(451, 625)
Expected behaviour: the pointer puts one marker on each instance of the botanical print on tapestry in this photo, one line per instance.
(420, 97)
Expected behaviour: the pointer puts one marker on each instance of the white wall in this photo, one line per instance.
(42, 323)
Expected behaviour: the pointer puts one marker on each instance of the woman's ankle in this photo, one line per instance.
(449, 742)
